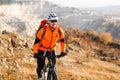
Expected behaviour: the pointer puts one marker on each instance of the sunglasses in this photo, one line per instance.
(53, 20)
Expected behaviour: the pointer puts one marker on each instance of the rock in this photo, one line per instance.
(118, 64)
(4, 32)
(104, 59)
(1, 41)
(77, 43)
(69, 48)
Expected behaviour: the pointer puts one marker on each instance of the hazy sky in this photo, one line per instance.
(86, 3)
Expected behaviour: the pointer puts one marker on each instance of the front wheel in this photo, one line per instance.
(52, 74)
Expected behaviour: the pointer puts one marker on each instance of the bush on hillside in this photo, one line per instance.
(93, 35)
(68, 36)
(106, 38)
(71, 34)
(91, 32)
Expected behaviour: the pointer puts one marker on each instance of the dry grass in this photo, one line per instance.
(89, 70)
(77, 65)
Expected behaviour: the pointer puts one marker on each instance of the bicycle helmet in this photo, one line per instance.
(52, 16)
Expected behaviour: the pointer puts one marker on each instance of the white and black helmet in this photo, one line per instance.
(52, 16)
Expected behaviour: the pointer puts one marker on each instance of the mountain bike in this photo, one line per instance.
(49, 71)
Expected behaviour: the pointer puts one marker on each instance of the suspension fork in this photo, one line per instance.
(51, 56)
(44, 52)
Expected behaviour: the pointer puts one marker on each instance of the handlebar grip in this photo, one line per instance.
(58, 56)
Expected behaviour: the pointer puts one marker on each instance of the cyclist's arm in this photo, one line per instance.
(62, 41)
(37, 40)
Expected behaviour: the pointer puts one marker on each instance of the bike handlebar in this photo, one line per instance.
(59, 56)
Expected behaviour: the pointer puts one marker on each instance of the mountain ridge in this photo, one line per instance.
(26, 18)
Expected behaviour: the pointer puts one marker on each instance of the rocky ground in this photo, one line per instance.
(81, 63)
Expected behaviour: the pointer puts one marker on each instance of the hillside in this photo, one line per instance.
(82, 62)
(24, 17)
(93, 54)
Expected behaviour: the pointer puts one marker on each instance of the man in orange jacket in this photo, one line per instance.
(46, 39)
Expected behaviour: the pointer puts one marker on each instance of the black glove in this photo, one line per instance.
(36, 55)
(63, 54)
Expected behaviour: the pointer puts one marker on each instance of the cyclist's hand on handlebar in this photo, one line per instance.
(62, 54)
(36, 55)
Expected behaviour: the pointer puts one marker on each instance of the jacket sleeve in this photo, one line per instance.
(37, 41)
(62, 41)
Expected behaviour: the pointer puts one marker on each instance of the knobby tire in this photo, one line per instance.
(52, 75)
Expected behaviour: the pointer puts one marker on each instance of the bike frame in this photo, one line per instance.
(49, 70)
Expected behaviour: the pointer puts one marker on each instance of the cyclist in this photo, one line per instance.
(46, 39)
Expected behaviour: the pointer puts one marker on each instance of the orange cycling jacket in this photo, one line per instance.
(49, 39)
